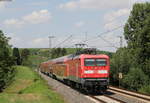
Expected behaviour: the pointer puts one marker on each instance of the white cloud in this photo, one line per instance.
(111, 25)
(115, 14)
(71, 5)
(79, 24)
(94, 4)
(98, 4)
(40, 3)
(2, 4)
(112, 18)
(36, 17)
(12, 22)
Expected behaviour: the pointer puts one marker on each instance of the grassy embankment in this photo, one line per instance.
(28, 87)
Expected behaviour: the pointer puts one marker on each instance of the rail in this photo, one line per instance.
(131, 93)
(106, 99)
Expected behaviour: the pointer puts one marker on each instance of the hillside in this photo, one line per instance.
(28, 87)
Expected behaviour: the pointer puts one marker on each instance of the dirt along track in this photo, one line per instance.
(75, 96)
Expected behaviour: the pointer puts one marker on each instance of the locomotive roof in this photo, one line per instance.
(61, 59)
(73, 56)
(94, 56)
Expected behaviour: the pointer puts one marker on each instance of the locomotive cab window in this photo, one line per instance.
(101, 62)
(89, 62)
(95, 62)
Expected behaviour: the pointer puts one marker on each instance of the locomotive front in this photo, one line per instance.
(95, 72)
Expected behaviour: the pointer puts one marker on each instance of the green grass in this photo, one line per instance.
(28, 87)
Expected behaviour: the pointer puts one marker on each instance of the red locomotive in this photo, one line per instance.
(87, 71)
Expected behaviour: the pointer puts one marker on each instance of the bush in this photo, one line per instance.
(135, 79)
(145, 89)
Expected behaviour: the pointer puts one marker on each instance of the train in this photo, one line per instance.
(86, 71)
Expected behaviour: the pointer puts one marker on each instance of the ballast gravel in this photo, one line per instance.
(70, 95)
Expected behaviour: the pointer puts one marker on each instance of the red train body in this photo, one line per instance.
(86, 71)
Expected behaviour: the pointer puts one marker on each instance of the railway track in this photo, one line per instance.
(106, 99)
(142, 97)
(110, 98)
(96, 99)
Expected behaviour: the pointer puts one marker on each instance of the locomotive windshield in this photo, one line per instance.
(95, 62)
(89, 62)
(101, 62)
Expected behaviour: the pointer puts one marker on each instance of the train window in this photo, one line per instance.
(89, 62)
(101, 62)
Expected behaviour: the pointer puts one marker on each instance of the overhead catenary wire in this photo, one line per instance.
(105, 32)
(108, 31)
(111, 44)
(72, 43)
(63, 41)
(111, 30)
(98, 36)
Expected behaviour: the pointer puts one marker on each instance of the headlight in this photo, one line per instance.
(102, 71)
(88, 71)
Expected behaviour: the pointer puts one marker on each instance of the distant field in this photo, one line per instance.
(28, 87)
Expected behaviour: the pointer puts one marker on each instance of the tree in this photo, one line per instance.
(63, 51)
(53, 53)
(135, 79)
(6, 62)
(24, 55)
(16, 55)
(137, 34)
(58, 52)
(121, 62)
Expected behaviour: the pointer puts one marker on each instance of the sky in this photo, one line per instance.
(29, 23)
